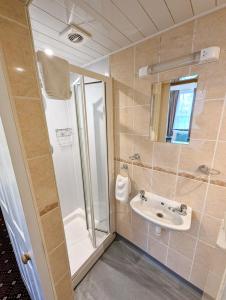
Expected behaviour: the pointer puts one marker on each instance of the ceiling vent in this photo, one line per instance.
(75, 34)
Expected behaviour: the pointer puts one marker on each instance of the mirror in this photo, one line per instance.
(172, 109)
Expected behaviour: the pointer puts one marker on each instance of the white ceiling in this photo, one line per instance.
(113, 24)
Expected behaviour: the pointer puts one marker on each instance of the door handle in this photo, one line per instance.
(25, 258)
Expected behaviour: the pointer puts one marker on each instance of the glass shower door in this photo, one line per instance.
(85, 156)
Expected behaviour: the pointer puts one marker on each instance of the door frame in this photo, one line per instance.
(30, 210)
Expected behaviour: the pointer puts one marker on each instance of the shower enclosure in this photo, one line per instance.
(80, 132)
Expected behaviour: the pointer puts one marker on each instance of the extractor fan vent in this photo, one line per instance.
(75, 34)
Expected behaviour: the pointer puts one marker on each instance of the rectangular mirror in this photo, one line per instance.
(172, 109)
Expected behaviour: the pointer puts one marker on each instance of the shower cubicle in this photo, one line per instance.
(80, 132)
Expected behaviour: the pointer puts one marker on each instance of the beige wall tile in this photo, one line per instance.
(142, 91)
(7, 9)
(139, 223)
(53, 229)
(195, 223)
(122, 66)
(144, 147)
(42, 176)
(142, 178)
(147, 52)
(173, 74)
(163, 184)
(157, 250)
(58, 262)
(123, 94)
(220, 161)
(179, 263)
(198, 152)
(124, 120)
(176, 42)
(191, 192)
(124, 229)
(166, 155)
(32, 125)
(209, 229)
(123, 146)
(199, 275)
(64, 288)
(216, 201)
(206, 119)
(141, 121)
(182, 243)
(139, 239)
(212, 285)
(222, 135)
(18, 52)
(210, 30)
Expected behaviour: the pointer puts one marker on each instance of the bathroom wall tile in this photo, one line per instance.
(7, 9)
(191, 192)
(141, 116)
(144, 146)
(124, 146)
(198, 152)
(179, 263)
(120, 170)
(216, 201)
(42, 176)
(18, 52)
(124, 120)
(64, 288)
(53, 229)
(122, 66)
(209, 229)
(220, 162)
(32, 125)
(199, 275)
(123, 212)
(139, 239)
(166, 155)
(157, 250)
(212, 285)
(210, 30)
(142, 178)
(124, 229)
(139, 223)
(142, 91)
(195, 223)
(182, 243)
(163, 184)
(176, 42)
(222, 135)
(216, 261)
(206, 119)
(147, 52)
(123, 94)
(58, 262)
(163, 238)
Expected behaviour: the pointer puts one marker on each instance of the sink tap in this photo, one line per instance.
(142, 195)
(182, 209)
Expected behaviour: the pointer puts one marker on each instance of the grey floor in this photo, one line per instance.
(126, 273)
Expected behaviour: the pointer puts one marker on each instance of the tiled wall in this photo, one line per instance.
(16, 44)
(171, 170)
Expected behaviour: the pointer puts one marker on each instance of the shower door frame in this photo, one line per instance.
(77, 277)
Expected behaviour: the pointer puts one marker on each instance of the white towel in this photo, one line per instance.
(56, 76)
(122, 188)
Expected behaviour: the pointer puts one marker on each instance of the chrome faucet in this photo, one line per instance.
(182, 209)
(142, 195)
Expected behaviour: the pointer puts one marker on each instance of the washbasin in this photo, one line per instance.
(162, 211)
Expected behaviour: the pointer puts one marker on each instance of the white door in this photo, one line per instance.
(11, 206)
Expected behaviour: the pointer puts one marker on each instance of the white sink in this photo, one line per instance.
(161, 211)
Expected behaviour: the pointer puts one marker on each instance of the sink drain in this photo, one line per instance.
(160, 215)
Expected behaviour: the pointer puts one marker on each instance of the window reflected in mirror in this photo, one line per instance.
(172, 109)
